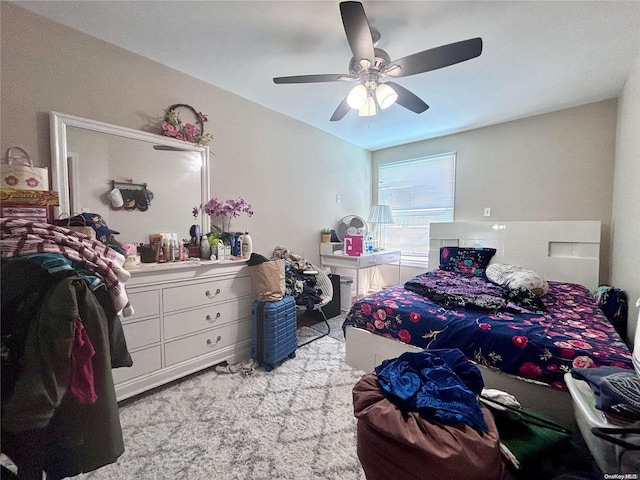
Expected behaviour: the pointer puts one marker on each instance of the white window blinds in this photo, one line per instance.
(420, 191)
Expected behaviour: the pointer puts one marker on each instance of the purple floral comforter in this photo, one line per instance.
(543, 346)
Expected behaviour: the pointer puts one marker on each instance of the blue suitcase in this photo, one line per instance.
(274, 331)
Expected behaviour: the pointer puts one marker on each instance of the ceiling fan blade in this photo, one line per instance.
(329, 77)
(438, 57)
(356, 26)
(341, 111)
(407, 99)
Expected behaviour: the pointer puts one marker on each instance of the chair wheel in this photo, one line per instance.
(292, 355)
(268, 368)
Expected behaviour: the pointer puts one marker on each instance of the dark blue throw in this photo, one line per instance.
(441, 385)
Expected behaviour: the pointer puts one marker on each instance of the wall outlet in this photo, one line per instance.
(487, 211)
(338, 198)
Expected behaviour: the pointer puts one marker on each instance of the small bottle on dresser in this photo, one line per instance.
(247, 245)
(205, 248)
(172, 250)
(165, 249)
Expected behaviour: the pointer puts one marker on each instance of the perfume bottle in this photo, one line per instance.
(205, 248)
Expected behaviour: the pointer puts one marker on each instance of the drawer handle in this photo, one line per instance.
(210, 344)
(208, 293)
(211, 320)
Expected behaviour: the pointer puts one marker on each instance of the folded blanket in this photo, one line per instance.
(23, 237)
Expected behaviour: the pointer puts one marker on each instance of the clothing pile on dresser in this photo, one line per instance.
(62, 293)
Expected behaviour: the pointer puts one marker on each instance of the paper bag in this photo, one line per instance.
(269, 280)
(85, 229)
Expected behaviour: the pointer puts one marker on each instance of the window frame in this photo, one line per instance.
(416, 259)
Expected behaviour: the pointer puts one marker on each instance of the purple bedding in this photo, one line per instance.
(543, 346)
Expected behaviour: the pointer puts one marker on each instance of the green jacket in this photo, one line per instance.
(79, 438)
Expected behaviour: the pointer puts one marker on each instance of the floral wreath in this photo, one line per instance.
(172, 125)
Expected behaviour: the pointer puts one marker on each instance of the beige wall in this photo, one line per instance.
(289, 171)
(625, 257)
(557, 166)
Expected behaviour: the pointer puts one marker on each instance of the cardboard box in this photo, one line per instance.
(24, 212)
(32, 198)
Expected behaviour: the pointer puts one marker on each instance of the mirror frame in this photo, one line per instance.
(58, 123)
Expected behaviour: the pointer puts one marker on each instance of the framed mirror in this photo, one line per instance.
(160, 178)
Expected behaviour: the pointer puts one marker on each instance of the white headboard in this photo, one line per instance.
(558, 250)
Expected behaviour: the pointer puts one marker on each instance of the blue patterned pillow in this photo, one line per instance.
(465, 260)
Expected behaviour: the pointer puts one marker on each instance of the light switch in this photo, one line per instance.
(487, 211)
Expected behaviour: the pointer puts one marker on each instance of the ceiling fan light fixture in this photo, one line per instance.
(369, 108)
(369, 65)
(357, 97)
(386, 96)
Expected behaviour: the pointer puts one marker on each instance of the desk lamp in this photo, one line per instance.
(380, 214)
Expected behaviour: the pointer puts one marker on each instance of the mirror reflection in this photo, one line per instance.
(157, 180)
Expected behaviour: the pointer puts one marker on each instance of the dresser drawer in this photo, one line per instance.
(206, 342)
(366, 261)
(199, 294)
(144, 332)
(206, 317)
(144, 361)
(145, 304)
(384, 258)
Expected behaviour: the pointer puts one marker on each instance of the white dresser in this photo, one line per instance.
(188, 316)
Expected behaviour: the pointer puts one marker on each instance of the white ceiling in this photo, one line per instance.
(538, 56)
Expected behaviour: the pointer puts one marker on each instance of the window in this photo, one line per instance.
(419, 191)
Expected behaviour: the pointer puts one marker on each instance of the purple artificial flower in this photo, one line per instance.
(228, 208)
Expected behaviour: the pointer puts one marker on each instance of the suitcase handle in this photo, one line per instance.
(211, 320)
(208, 293)
(211, 344)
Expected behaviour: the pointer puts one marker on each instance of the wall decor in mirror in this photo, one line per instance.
(159, 178)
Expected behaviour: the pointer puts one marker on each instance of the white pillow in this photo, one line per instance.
(515, 277)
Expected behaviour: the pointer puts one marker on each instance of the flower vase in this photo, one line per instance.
(226, 229)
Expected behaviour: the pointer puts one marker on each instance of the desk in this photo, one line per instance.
(368, 260)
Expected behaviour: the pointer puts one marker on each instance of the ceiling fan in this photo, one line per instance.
(369, 65)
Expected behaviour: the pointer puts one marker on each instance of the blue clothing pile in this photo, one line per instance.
(440, 384)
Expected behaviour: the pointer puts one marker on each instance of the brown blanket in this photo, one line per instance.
(404, 446)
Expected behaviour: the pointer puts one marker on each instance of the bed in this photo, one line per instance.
(520, 349)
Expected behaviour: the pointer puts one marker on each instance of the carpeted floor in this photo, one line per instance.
(310, 329)
(295, 422)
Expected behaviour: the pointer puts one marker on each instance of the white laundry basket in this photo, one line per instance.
(588, 416)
